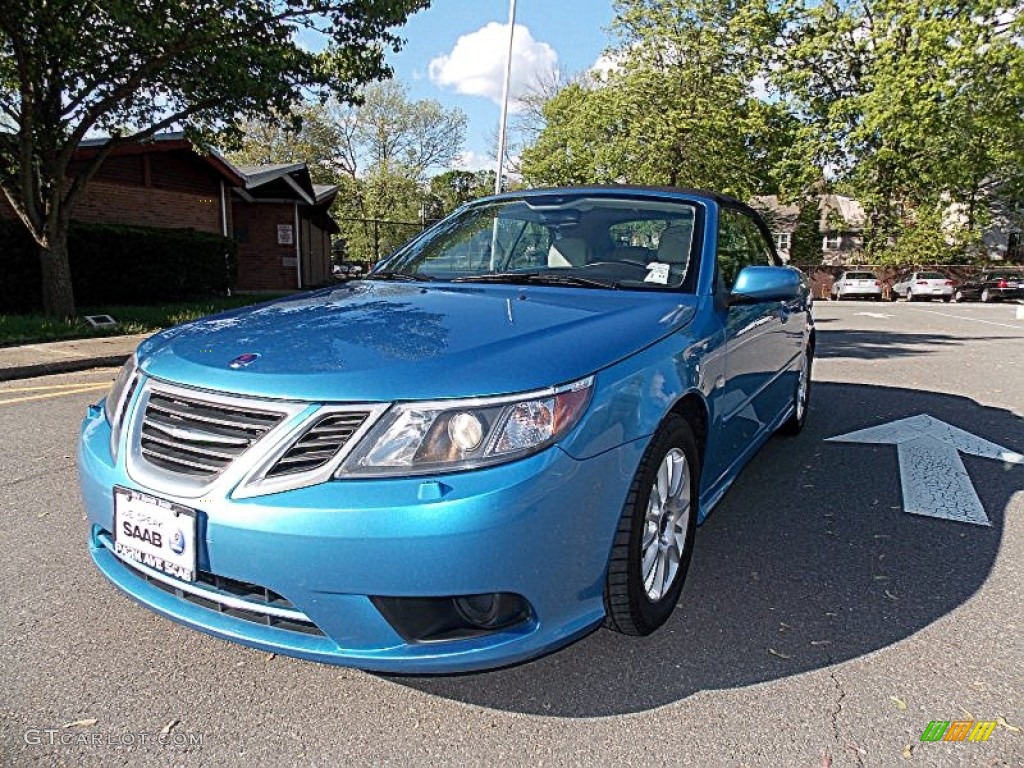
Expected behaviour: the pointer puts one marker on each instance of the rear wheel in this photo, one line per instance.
(801, 397)
(654, 541)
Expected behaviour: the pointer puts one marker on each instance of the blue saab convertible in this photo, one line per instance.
(499, 440)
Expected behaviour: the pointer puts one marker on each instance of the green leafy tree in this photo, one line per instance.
(805, 242)
(451, 189)
(915, 104)
(680, 109)
(129, 69)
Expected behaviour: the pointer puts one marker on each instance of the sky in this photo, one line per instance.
(455, 54)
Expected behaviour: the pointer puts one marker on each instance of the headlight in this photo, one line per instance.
(443, 436)
(117, 399)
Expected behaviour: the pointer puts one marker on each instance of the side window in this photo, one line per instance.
(740, 244)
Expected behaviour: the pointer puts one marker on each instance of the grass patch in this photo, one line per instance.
(27, 329)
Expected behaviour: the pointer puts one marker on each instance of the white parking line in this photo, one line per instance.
(965, 317)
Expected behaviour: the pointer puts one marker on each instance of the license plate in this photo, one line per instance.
(936, 290)
(157, 533)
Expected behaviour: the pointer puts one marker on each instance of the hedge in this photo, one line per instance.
(119, 265)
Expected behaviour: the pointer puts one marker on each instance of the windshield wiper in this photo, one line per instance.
(534, 278)
(405, 277)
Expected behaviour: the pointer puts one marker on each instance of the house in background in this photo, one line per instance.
(279, 218)
(283, 227)
(840, 223)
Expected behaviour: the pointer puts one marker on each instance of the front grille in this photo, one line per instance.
(190, 436)
(239, 599)
(318, 444)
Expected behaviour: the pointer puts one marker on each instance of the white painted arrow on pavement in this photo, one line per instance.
(877, 315)
(932, 475)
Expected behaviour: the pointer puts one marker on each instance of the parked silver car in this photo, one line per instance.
(915, 286)
(864, 285)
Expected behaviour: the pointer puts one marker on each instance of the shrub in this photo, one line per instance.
(117, 264)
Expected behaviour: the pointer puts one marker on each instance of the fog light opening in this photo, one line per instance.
(491, 611)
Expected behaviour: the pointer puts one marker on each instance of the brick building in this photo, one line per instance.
(283, 226)
(279, 218)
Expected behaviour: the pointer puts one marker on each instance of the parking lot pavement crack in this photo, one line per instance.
(36, 475)
(840, 747)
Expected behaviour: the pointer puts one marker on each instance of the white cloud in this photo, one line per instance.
(606, 63)
(476, 65)
(475, 161)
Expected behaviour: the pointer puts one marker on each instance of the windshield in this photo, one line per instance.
(860, 276)
(930, 276)
(589, 242)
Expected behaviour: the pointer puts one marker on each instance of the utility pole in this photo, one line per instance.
(504, 97)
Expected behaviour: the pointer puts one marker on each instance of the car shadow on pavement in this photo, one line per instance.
(808, 561)
(870, 345)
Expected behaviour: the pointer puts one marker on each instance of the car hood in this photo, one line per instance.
(375, 341)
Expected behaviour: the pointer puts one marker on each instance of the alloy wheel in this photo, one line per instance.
(665, 525)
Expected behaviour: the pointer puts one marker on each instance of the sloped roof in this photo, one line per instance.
(849, 211)
(779, 214)
(833, 210)
(164, 142)
(325, 193)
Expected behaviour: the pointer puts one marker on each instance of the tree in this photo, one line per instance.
(805, 245)
(451, 189)
(916, 104)
(311, 137)
(679, 109)
(129, 69)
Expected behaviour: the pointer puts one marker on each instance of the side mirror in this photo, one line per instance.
(754, 284)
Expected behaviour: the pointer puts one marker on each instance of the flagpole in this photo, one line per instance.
(504, 96)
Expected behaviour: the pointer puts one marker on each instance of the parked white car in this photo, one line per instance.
(863, 285)
(915, 286)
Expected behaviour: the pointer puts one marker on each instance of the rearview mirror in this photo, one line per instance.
(754, 284)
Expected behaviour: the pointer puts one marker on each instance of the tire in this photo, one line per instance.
(986, 297)
(946, 299)
(910, 296)
(635, 605)
(958, 297)
(801, 397)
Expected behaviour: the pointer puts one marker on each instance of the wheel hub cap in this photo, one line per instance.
(665, 525)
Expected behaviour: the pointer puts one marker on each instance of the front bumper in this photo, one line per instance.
(540, 528)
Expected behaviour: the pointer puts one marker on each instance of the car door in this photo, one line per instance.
(761, 342)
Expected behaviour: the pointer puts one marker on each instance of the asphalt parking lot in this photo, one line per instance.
(822, 624)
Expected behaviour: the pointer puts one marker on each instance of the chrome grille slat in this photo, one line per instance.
(319, 443)
(201, 449)
(163, 458)
(254, 419)
(157, 422)
(188, 435)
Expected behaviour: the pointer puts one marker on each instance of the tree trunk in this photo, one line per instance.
(58, 295)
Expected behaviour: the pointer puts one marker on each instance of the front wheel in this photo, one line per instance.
(986, 297)
(654, 541)
(958, 297)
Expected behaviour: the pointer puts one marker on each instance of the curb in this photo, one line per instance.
(60, 366)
